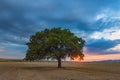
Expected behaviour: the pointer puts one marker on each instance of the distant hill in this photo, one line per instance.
(9, 60)
(1, 59)
(108, 61)
(111, 61)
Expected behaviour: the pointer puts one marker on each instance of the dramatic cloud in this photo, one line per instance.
(108, 34)
(98, 22)
(100, 46)
(115, 48)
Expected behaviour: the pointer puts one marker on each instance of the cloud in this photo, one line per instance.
(100, 46)
(106, 18)
(107, 34)
(100, 16)
(12, 54)
(107, 14)
(1, 49)
(12, 51)
(87, 19)
(114, 49)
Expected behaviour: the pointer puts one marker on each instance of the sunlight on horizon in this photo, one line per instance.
(102, 57)
(87, 58)
(76, 59)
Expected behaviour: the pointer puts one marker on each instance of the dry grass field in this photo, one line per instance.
(48, 71)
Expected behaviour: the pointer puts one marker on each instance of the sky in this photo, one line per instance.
(96, 21)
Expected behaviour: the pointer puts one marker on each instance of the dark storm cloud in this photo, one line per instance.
(21, 18)
(100, 46)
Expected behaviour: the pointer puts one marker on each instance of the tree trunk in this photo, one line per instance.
(59, 62)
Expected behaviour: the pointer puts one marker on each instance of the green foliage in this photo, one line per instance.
(55, 43)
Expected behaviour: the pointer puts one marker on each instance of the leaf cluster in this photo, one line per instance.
(54, 43)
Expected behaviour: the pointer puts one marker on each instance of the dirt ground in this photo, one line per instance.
(49, 71)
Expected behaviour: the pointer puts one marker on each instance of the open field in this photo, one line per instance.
(48, 71)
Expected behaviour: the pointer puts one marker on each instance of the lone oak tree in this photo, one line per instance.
(55, 43)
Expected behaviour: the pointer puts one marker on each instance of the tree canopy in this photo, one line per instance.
(55, 43)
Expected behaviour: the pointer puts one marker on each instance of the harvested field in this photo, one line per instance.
(49, 71)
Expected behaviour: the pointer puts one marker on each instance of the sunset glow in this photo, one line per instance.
(102, 57)
(76, 58)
